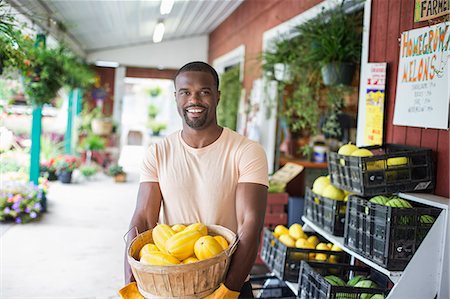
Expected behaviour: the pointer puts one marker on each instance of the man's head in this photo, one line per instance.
(197, 94)
(198, 66)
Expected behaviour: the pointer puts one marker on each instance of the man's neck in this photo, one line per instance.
(201, 138)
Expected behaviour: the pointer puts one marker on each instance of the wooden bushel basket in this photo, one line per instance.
(195, 280)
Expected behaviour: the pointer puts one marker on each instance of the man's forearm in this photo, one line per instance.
(244, 256)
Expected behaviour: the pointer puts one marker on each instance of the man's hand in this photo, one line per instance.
(223, 292)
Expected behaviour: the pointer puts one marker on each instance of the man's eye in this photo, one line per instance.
(184, 93)
(205, 93)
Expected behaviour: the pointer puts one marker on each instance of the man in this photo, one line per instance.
(205, 173)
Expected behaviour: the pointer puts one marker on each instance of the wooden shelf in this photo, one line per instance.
(304, 163)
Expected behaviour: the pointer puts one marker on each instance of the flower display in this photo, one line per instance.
(20, 201)
(66, 163)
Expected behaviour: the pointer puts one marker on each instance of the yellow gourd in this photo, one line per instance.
(158, 258)
(161, 233)
(207, 247)
(181, 245)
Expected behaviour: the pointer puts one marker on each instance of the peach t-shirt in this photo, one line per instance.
(199, 184)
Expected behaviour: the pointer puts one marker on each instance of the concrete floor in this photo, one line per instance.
(76, 250)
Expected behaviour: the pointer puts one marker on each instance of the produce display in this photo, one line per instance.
(386, 169)
(295, 237)
(180, 244)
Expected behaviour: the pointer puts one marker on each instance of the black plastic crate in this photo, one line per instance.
(327, 213)
(284, 261)
(269, 286)
(313, 285)
(370, 176)
(385, 235)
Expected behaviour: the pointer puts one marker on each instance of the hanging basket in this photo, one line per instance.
(336, 73)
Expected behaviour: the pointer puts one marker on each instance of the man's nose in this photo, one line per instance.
(195, 97)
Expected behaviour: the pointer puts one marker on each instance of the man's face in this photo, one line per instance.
(197, 98)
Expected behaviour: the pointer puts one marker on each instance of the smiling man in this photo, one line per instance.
(205, 173)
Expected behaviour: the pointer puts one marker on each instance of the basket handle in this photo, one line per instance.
(234, 244)
(126, 234)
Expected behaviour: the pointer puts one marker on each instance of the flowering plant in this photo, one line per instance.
(20, 201)
(66, 163)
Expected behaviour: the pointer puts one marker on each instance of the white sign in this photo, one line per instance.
(423, 87)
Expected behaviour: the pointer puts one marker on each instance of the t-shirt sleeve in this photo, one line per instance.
(253, 165)
(149, 171)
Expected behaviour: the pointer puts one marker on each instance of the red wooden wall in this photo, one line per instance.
(246, 26)
(389, 20)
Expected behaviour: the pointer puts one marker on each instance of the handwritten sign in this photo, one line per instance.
(430, 9)
(423, 87)
(287, 173)
(375, 93)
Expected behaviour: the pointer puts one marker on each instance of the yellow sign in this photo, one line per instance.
(375, 86)
(430, 9)
(373, 134)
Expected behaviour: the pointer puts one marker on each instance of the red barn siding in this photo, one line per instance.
(389, 19)
(384, 46)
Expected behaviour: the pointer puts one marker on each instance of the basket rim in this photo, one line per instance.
(225, 254)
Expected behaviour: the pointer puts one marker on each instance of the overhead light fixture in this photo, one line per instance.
(103, 63)
(166, 6)
(159, 32)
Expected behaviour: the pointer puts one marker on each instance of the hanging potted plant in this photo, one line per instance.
(157, 127)
(11, 55)
(101, 124)
(334, 43)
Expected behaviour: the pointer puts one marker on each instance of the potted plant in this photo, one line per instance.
(118, 173)
(333, 41)
(21, 201)
(152, 111)
(101, 124)
(65, 165)
(157, 127)
(154, 91)
(92, 143)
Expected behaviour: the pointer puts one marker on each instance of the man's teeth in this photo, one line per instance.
(194, 110)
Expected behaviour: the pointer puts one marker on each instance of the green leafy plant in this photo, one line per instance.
(88, 170)
(154, 91)
(115, 170)
(157, 127)
(309, 46)
(230, 87)
(93, 143)
(152, 111)
(333, 36)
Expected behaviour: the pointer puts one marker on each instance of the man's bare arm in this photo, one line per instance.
(145, 216)
(251, 202)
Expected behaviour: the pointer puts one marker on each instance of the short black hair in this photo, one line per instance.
(199, 66)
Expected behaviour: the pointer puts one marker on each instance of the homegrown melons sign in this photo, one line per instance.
(423, 90)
